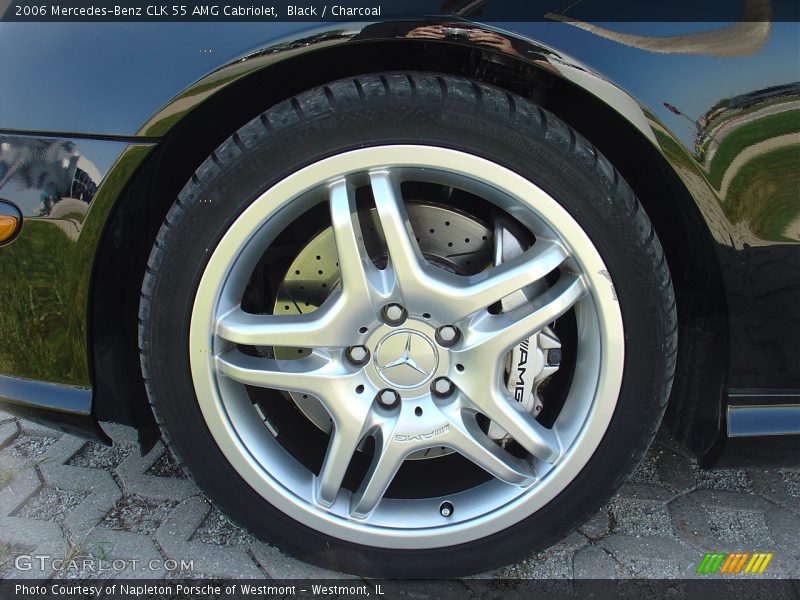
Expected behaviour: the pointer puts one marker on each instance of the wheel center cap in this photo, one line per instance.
(406, 359)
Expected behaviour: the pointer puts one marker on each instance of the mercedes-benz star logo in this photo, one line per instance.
(406, 359)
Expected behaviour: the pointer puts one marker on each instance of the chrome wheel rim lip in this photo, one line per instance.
(481, 511)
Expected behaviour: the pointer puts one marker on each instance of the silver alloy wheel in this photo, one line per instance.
(352, 316)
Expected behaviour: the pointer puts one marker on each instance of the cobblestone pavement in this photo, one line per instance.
(60, 495)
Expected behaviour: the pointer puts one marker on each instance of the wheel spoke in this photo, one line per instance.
(479, 291)
(405, 257)
(467, 438)
(348, 431)
(492, 335)
(537, 439)
(361, 280)
(315, 374)
(449, 296)
(388, 457)
(330, 326)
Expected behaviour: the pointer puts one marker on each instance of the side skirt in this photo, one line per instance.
(62, 407)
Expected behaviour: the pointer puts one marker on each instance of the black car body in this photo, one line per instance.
(101, 126)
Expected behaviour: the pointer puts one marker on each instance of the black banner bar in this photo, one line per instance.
(377, 10)
(485, 589)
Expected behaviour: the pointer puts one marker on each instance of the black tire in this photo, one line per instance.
(429, 109)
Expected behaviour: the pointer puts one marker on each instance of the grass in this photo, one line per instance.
(44, 286)
(746, 135)
(765, 193)
(37, 321)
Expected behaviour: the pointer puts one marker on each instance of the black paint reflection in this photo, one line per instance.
(48, 178)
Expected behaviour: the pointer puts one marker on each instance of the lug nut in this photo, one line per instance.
(447, 336)
(554, 357)
(446, 509)
(358, 355)
(442, 386)
(388, 398)
(394, 314)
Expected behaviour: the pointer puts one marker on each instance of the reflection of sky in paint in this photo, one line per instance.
(75, 64)
(690, 82)
(78, 63)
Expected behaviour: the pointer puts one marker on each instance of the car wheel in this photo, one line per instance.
(408, 325)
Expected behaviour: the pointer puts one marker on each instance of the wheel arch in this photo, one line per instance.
(620, 133)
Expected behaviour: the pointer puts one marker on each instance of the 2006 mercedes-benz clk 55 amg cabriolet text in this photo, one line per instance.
(408, 297)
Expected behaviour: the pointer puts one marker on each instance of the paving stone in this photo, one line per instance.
(175, 532)
(8, 554)
(554, 563)
(45, 538)
(640, 517)
(690, 523)
(137, 514)
(121, 434)
(676, 472)
(598, 526)
(8, 431)
(647, 471)
(117, 504)
(99, 490)
(783, 490)
(742, 528)
(282, 566)
(132, 472)
(217, 529)
(592, 562)
(18, 483)
(651, 557)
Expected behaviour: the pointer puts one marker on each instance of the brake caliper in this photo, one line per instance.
(531, 362)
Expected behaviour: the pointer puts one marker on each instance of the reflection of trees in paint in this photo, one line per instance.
(749, 148)
(48, 166)
(717, 121)
(764, 194)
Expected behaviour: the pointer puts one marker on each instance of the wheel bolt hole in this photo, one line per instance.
(359, 389)
(426, 315)
(418, 411)
(460, 368)
(362, 330)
